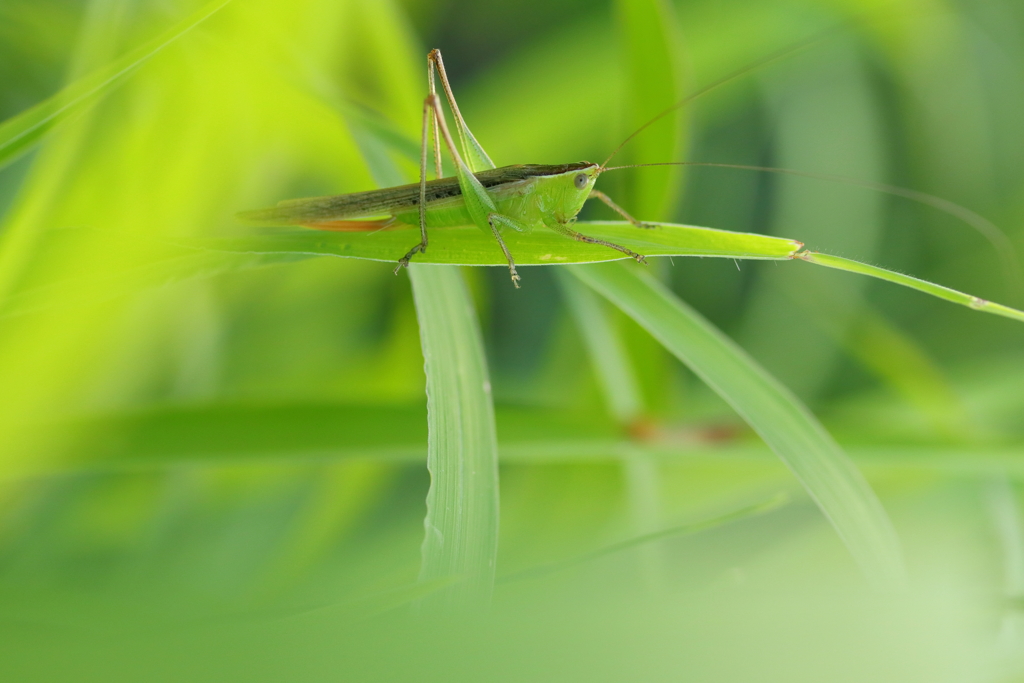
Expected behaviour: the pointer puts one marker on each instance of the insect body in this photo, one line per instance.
(533, 195)
(521, 197)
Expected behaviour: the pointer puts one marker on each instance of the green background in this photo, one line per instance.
(216, 472)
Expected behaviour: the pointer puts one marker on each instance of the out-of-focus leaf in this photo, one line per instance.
(905, 366)
(82, 290)
(652, 61)
(19, 133)
(246, 432)
(461, 525)
(684, 529)
(770, 409)
(607, 354)
(221, 434)
(363, 608)
(824, 118)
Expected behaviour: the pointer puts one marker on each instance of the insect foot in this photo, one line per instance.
(640, 258)
(403, 262)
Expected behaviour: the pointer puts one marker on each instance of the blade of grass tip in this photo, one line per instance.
(461, 526)
(829, 477)
(939, 291)
(19, 133)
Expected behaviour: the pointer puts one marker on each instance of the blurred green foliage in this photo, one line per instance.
(221, 477)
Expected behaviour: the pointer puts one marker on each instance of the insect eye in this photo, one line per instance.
(581, 181)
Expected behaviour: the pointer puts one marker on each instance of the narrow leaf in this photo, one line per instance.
(226, 434)
(946, 293)
(462, 451)
(770, 409)
(470, 246)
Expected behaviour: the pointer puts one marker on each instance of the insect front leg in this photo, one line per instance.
(580, 237)
(597, 194)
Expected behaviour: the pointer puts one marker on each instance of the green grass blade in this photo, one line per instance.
(287, 432)
(941, 292)
(249, 432)
(469, 246)
(652, 62)
(19, 133)
(241, 433)
(607, 352)
(462, 450)
(770, 409)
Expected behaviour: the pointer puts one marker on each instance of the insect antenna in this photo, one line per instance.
(1010, 261)
(990, 231)
(776, 56)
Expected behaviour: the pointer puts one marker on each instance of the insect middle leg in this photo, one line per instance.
(494, 218)
(597, 194)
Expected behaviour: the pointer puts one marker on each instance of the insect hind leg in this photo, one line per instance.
(429, 120)
(580, 237)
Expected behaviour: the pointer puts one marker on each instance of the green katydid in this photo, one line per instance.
(525, 197)
(521, 197)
